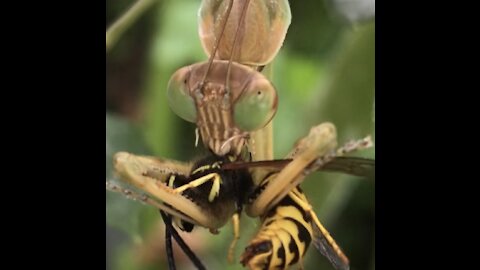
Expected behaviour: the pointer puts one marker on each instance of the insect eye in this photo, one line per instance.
(257, 105)
(178, 94)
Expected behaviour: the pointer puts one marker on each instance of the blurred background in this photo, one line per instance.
(324, 72)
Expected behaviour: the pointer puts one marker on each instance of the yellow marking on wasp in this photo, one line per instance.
(215, 165)
(215, 188)
(280, 223)
(294, 213)
(215, 177)
(277, 243)
(236, 236)
(285, 228)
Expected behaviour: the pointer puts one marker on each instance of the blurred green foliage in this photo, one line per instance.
(324, 72)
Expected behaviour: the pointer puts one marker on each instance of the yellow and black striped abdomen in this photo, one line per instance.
(283, 239)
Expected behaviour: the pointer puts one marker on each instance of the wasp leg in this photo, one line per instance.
(215, 177)
(320, 141)
(168, 246)
(344, 262)
(185, 248)
(168, 240)
(236, 236)
(151, 176)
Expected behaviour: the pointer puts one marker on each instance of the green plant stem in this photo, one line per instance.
(119, 26)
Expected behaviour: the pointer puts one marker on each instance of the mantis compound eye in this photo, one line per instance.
(256, 106)
(178, 94)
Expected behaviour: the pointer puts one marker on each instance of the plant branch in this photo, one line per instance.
(119, 26)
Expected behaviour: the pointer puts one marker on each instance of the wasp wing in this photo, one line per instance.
(357, 166)
(275, 163)
(329, 249)
(351, 165)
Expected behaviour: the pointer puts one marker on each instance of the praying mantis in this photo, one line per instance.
(280, 102)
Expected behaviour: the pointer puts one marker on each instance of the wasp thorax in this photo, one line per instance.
(261, 32)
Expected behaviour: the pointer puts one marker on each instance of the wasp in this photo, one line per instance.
(220, 96)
